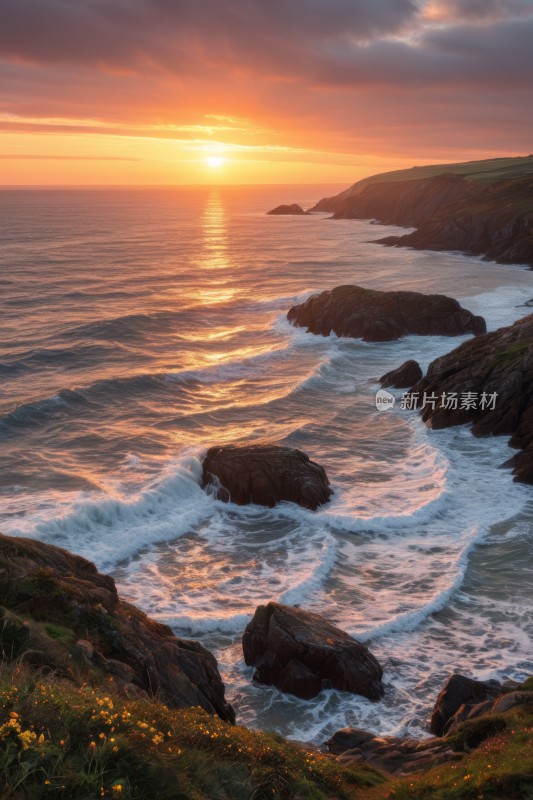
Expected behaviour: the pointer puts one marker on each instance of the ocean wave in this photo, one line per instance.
(109, 530)
(413, 618)
(128, 327)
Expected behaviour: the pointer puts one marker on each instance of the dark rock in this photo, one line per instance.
(293, 210)
(376, 316)
(83, 649)
(348, 739)
(460, 690)
(266, 475)
(511, 700)
(301, 653)
(403, 377)
(501, 364)
(390, 754)
(467, 712)
(71, 611)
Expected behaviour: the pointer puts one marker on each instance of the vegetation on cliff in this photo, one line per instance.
(76, 723)
(480, 208)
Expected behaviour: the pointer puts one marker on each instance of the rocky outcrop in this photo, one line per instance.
(488, 382)
(289, 210)
(266, 475)
(403, 377)
(450, 212)
(390, 754)
(301, 653)
(466, 714)
(487, 708)
(458, 692)
(58, 611)
(376, 316)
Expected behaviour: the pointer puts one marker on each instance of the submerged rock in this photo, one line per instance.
(291, 210)
(496, 372)
(301, 653)
(57, 610)
(376, 316)
(403, 377)
(265, 474)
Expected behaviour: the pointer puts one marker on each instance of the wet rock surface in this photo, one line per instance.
(266, 475)
(375, 316)
(390, 754)
(301, 653)
(403, 377)
(496, 370)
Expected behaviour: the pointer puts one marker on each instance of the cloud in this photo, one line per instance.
(476, 11)
(49, 157)
(141, 33)
(341, 74)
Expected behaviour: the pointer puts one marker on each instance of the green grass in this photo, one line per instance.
(62, 742)
(500, 769)
(488, 171)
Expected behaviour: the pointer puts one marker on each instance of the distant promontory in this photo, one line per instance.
(482, 208)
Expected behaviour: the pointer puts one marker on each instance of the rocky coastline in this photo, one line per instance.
(449, 212)
(150, 707)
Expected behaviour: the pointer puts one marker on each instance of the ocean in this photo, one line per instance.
(139, 327)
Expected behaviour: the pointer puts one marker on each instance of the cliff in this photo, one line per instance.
(496, 371)
(478, 213)
(131, 711)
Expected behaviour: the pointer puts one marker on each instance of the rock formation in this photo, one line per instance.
(390, 754)
(266, 475)
(458, 691)
(496, 372)
(403, 377)
(301, 653)
(288, 210)
(466, 714)
(450, 212)
(58, 611)
(376, 316)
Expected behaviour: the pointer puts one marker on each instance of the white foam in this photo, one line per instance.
(314, 578)
(110, 529)
(410, 620)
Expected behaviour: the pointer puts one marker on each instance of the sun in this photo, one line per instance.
(214, 161)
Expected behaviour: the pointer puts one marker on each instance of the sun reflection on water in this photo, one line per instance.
(214, 253)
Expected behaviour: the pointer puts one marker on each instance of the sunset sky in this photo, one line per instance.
(258, 91)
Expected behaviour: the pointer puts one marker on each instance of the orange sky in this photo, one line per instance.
(250, 91)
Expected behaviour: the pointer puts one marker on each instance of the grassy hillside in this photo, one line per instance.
(487, 171)
(62, 742)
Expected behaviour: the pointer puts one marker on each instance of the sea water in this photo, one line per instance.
(141, 326)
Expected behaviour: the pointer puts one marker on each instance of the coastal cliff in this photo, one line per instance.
(477, 213)
(131, 711)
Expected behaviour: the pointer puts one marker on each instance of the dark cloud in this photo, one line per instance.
(480, 10)
(353, 72)
(135, 33)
